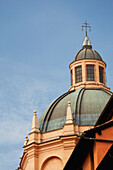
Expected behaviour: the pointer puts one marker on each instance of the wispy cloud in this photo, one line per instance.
(19, 97)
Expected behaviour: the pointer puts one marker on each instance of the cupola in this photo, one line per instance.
(88, 69)
(88, 93)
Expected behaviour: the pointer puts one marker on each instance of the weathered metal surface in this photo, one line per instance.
(86, 104)
(87, 53)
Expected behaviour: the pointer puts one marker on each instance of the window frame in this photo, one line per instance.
(78, 74)
(71, 72)
(90, 73)
(101, 76)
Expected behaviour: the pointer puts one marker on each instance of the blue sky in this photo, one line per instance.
(38, 41)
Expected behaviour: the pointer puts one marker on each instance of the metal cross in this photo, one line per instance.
(86, 25)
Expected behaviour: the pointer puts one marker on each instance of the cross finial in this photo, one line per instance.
(86, 25)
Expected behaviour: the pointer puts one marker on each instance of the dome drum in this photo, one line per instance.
(83, 78)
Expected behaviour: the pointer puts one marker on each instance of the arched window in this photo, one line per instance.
(90, 73)
(78, 73)
(101, 74)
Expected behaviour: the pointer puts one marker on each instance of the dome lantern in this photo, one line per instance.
(86, 43)
(88, 69)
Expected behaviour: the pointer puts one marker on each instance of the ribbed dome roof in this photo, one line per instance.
(86, 103)
(87, 52)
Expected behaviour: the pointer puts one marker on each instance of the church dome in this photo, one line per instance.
(87, 52)
(88, 93)
(86, 105)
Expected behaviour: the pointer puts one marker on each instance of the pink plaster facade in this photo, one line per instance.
(50, 150)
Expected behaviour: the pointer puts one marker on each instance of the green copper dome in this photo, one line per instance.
(86, 103)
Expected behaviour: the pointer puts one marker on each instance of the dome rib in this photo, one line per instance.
(50, 110)
(106, 91)
(77, 105)
(98, 54)
(93, 53)
(80, 106)
(87, 53)
(78, 52)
